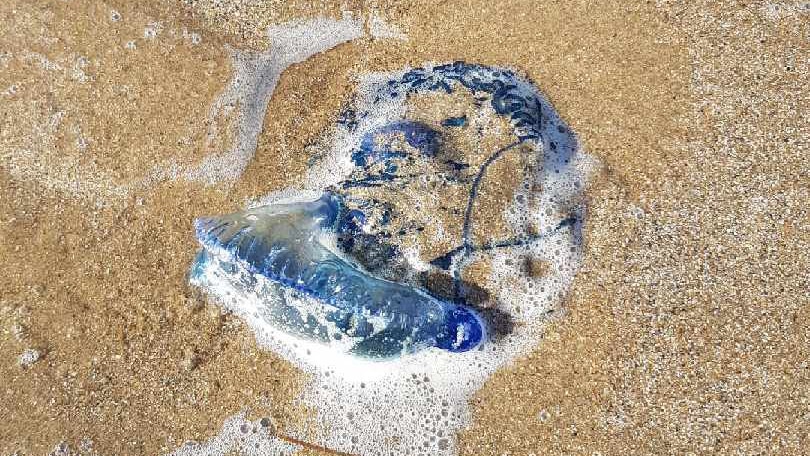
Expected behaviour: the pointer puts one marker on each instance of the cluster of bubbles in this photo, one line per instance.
(239, 435)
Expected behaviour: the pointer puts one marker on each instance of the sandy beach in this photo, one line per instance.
(686, 329)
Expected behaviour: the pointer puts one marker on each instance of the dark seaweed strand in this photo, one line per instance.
(507, 100)
(524, 110)
(378, 180)
(474, 192)
(515, 242)
(504, 243)
(447, 258)
(467, 227)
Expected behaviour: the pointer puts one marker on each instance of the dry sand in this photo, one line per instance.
(688, 327)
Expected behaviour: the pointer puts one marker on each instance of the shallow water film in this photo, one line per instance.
(388, 228)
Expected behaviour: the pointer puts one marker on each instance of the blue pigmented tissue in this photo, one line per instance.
(459, 121)
(381, 144)
(286, 245)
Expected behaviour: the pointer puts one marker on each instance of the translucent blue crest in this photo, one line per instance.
(283, 243)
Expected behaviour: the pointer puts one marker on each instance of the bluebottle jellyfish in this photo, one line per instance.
(340, 270)
(284, 244)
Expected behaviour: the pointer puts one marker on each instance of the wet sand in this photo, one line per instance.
(686, 329)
